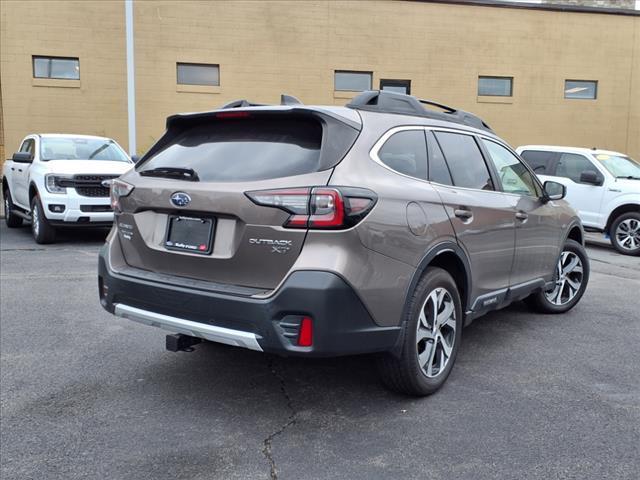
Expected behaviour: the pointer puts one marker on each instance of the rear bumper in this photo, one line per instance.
(341, 323)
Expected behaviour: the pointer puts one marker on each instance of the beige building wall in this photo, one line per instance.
(90, 30)
(265, 48)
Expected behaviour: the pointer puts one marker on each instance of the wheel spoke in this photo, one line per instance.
(424, 334)
(572, 264)
(446, 347)
(446, 313)
(574, 284)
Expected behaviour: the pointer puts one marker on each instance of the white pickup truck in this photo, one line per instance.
(57, 180)
(603, 186)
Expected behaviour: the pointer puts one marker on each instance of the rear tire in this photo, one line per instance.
(42, 231)
(571, 279)
(433, 330)
(625, 233)
(10, 218)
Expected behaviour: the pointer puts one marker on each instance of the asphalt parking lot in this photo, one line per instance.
(86, 395)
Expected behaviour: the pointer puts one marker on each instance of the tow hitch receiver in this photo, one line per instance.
(181, 343)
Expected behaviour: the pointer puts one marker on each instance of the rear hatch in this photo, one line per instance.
(197, 208)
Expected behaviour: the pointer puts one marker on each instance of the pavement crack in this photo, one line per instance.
(291, 419)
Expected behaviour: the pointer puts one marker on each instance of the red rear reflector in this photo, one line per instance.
(305, 335)
(232, 114)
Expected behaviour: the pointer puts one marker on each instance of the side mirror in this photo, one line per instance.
(22, 157)
(135, 159)
(554, 191)
(590, 177)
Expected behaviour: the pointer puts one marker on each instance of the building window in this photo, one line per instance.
(581, 89)
(352, 81)
(198, 74)
(396, 86)
(495, 86)
(66, 68)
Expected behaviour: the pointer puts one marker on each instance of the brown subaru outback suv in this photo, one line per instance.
(381, 227)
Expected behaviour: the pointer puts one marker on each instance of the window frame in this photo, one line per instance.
(195, 64)
(363, 72)
(395, 83)
(495, 77)
(50, 58)
(595, 90)
(373, 155)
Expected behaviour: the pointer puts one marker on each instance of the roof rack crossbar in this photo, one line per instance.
(391, 102)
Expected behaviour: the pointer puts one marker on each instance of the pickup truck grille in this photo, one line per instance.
(91, 185)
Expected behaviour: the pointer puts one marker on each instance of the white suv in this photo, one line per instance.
(603, 186)
(57, 180)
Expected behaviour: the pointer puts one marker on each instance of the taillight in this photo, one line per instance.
(118, 190)
(318, 207)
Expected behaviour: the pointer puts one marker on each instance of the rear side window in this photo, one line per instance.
(438, 170)
(406, 152)
(244, 149)
(539, 161)
(465, 161)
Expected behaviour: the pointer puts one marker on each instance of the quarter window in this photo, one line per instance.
(514, 176)
(406, 152)
(465, 161)
(571, 165)
(65, 68)
(539, 161)
(581, 89)
(352, 81)
(396, 86)
(198, 74)
(495, 86)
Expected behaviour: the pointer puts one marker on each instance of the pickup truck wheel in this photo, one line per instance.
(571, 278)
(433, 329)
(42, 231)
(625, 233)
(10, 218)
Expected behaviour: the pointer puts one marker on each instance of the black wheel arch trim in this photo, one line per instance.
(427, 259)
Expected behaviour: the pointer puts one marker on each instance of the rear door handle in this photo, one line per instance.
(463, 213)
(522, 215)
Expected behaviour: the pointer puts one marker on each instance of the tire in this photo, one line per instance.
(625, 233)
(42, 231)
(569, 286)
(10, 218)
(419, 369)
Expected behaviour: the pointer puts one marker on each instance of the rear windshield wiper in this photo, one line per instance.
(176, 173)
(629, 177)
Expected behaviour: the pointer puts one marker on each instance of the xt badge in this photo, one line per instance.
(277, 246)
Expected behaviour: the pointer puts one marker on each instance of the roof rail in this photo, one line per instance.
(391, 102)
(284, 100)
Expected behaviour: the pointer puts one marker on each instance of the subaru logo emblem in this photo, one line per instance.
(180, 199)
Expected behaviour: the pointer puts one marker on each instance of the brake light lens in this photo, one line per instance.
(119, 189)
(318, 207)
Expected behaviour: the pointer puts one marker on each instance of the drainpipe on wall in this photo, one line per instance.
(131, 77)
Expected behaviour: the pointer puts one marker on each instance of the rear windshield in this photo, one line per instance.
(244, 149)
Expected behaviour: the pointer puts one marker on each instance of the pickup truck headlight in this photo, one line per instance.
(119, 189)
(56, 183)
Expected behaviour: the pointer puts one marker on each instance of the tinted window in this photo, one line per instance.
(465, 161)
(56, 67)
(406, 153)
(28, 146)
(572, 165)
(495, 86)
(539, 161)
(198, 74)
(581, 89)
(514, 176)
(244, 149)
(438, 170)
(352, 81)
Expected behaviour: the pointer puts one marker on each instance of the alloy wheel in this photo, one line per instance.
(436, 332)
(35, 220)
(569, 274)
(7, 205)
(628, 234)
